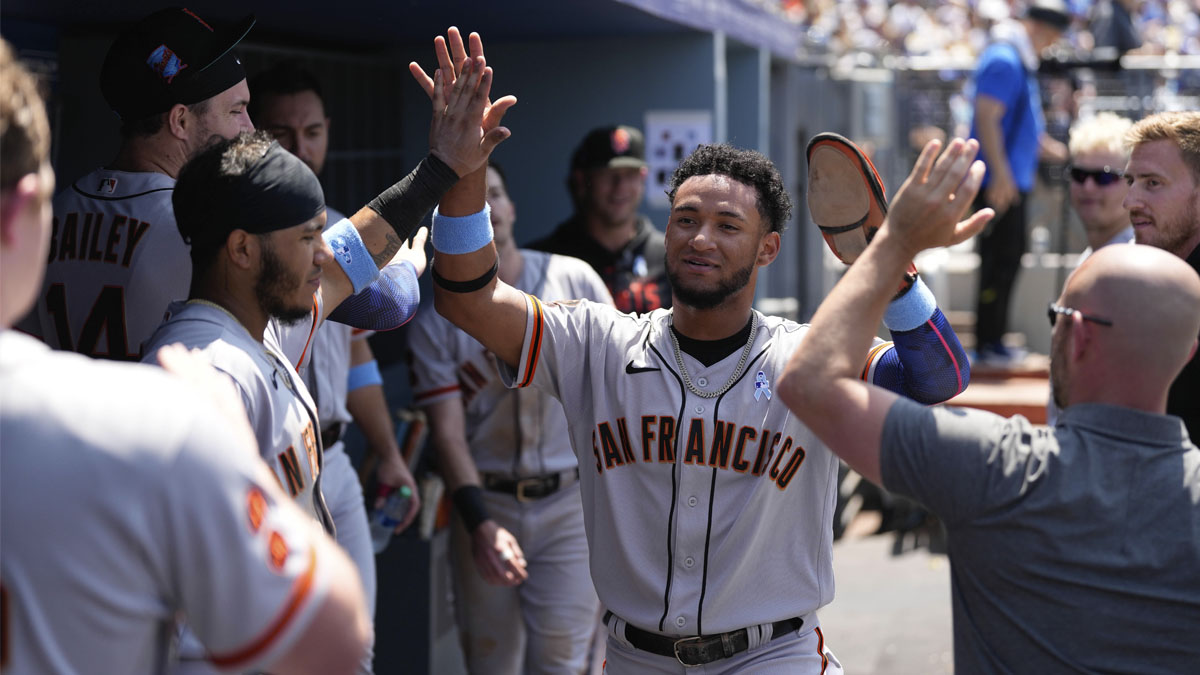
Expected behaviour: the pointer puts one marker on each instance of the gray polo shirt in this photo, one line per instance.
(1072, 548)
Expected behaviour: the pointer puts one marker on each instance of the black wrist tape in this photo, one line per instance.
(466, 286)
(468, 501)
(406, 203)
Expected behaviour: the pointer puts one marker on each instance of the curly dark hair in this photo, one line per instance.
(745, 166)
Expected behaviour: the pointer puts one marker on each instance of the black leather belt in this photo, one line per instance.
(531, 488)
(701, 649)
(332, 434)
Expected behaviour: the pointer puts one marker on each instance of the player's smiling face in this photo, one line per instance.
(716, 238)
(1163, 199)
(290, 270)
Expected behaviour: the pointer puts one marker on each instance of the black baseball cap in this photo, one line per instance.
(615, 147)
(172, 56)
(1050, 12)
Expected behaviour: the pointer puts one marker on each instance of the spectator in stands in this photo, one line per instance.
(1009, 124)
(1096, 177)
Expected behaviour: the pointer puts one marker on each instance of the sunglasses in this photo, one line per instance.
(1103, 177)
(1053, 310)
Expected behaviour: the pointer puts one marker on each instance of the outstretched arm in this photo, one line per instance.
(821, 384)
(458, 146)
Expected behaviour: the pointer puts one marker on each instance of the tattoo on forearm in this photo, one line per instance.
(384, 256)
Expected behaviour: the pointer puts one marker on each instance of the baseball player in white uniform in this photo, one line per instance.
(287, 102)
(523, 595)
(707, 505)
(116, 259)
(146, 495)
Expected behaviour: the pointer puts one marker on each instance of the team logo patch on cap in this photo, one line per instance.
(165, 62)
(621, 141)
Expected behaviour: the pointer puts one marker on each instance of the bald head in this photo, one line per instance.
(1153, 300)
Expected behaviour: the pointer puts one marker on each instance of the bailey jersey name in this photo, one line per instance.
(116, 260)
(703, 515)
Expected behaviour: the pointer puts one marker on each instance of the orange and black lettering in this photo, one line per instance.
(291, 470)
(310, 446)
(722, 443)
(136, 230)
(612, 456)
(114, 236)
(647, 435)
(93, 242)
(745, 434)
(782, 451)
(792, 467)
(762, 458)
(623, 431)
(666, 439)
(70, 233)
(695, 443)
(596, 452)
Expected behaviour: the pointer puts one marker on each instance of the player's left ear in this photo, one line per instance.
(178, 121)
(768, 248)
(244, 249)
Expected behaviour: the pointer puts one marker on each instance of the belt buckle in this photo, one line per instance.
(685, 641)
(523, 485)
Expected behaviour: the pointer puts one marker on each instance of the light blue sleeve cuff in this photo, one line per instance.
(364, 375)
(456, 235)
(351, 253)
(912, 309)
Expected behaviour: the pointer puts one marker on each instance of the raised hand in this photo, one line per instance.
(928, 210)
(451, 53)
(456, 134)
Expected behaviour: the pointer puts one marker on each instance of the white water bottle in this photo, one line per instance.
(385, 518)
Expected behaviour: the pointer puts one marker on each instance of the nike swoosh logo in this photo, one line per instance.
(630, 369)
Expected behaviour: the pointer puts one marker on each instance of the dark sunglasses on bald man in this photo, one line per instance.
(1054, 310)
(1103, 177)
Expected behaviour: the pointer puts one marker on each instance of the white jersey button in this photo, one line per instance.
(689, 562)
(680, 621)
(699, 409)
(691, 501)
(702, 382)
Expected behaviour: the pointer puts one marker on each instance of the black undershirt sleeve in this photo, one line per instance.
(406, 203)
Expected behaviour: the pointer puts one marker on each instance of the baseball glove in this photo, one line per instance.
(846, 199)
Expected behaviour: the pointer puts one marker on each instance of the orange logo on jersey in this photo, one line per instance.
(277, 550)
(256, 507)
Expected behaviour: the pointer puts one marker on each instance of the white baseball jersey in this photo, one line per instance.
(280, 409)
(124, 500)
(330, 362)
(521, 432)
(116, 261)
(703, 515)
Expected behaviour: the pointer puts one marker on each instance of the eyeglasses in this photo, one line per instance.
(1103, 177)
(1053, 310)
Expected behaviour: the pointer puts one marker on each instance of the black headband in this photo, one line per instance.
(276, 192)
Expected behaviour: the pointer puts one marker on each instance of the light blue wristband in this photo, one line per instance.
(351, 253)
(456, 235)
(364, 375)
(912, 309)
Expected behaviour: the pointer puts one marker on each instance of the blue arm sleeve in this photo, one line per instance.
(386, 304)
(927, 363)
